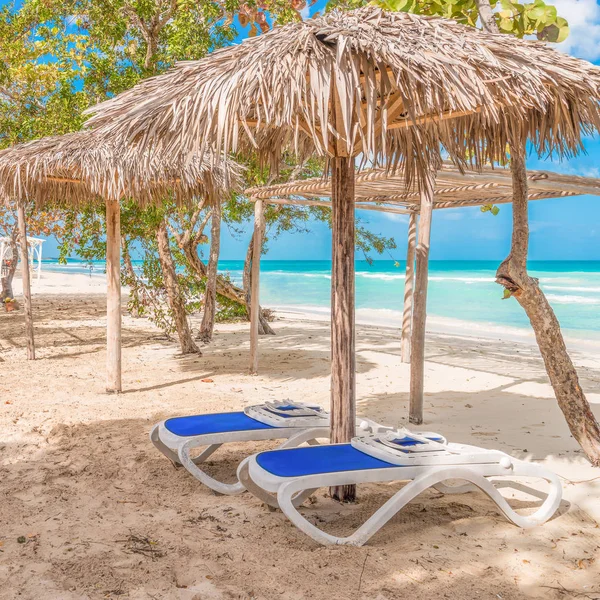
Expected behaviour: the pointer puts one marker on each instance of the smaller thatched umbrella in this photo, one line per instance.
(77, 169)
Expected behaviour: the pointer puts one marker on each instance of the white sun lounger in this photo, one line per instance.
(285, 478)
(296, 423)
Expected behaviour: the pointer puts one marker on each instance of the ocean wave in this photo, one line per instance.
(569, 288)
(382, 276)
(298, 274)
(571, 299)
(462, 279)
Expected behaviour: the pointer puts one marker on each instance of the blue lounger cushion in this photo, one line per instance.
(316, 460)
(213, 423)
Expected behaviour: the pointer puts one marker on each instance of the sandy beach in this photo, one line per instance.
(89, 509)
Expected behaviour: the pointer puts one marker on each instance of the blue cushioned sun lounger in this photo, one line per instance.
(285, 478)
(294, 423)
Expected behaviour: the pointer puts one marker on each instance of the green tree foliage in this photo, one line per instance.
(529, 19)
(57, 58)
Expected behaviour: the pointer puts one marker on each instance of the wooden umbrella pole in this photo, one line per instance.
(343, 380)
(255, 283)
(26, 282)
(113, 296)
(417, 351)
(408, 289)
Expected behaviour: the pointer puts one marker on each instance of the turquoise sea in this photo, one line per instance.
(459, 292)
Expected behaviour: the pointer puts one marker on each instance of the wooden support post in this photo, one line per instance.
(417, 358)
(113, 296)
(254, 289)
(26, 282)
(408, 289)
(343, 380)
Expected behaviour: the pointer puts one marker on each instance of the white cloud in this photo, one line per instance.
(395, 217)
(584, 22)
(305, 12)
(452, 214)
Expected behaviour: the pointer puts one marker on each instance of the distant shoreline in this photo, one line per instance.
(65, 283)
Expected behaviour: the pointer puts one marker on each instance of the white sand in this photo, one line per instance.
(80, 480)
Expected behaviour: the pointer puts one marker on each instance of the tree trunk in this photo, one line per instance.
(210, 295)
(131, 279)
(512, 274)
(176, 300)
(343, 368)
(255, 285)
(113, 297)
(409, 284)
(263, 325)
(224, 287)
(7, 280)
(26, 282)
(247, 272)
(417, 343)
(486, 14)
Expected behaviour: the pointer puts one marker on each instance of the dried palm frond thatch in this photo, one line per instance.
(405, 84)
(79, 168)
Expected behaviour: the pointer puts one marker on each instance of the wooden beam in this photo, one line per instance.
(255, 286)
(113, 297)
(343, 379)
(326, 204)
(26, 281)
(445, 116)
(408, 289)
(417, 359)
(393, 107)
(537, 181)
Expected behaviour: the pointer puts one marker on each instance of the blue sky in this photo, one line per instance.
(567, 228)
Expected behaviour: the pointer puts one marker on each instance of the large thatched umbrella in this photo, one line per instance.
(389, 88)
(80, 168)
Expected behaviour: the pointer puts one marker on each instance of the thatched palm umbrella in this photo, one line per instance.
(79, 168)
(391, 88)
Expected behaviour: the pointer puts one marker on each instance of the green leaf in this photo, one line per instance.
(506, 295)
(495, 210)
(557, 32)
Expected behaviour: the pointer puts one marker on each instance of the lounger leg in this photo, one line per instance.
(269, 499)
(172, 456)
(307, 436)
(288, 490)
(190, 464)
(546, 509)
(372, 525)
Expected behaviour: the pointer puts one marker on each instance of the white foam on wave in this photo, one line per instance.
(571, 299)
(383, 317)
(298, 274)
(462, 279)
(382, 276)
(570, 288)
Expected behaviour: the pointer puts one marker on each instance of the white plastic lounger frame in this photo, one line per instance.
(291, 491)
(177, 448)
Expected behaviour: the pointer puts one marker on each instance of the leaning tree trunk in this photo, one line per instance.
(131, 279)
(7, 280)
(176, 300)
(210, 295)
(263, 325)
(512, 274)
(224, 287)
